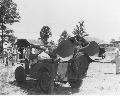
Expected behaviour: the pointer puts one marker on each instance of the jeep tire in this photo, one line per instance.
(20, 75)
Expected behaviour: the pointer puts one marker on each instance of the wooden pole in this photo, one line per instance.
(2, 44)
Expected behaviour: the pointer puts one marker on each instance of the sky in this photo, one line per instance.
(102, 17)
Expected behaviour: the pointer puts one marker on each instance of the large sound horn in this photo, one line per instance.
(66, 48)
(91, 49)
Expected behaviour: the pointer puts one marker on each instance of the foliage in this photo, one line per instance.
(8, 15)
(64, 36)
(8, 12)
(112, 40)
(80, 33)
(8, 36)
(79, 30)
(52, 43)
(53, 46)
(45, 33)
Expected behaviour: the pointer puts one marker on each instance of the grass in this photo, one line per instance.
(3, 81)
(6, 75)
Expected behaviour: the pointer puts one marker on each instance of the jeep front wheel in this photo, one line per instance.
(20, 75)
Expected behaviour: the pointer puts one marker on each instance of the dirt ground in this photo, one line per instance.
(101, 79)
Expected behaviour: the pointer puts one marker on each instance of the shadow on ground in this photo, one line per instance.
(30, 88)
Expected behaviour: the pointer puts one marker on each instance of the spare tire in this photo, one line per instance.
(44, 82)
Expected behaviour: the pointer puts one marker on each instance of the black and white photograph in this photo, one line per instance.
(59, 47)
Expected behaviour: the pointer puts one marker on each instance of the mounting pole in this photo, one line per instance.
(2, 44)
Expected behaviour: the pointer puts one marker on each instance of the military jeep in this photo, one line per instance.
(63, 64)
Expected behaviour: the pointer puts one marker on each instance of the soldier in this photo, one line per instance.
(27, 66)
(6, 58)
(117, 60)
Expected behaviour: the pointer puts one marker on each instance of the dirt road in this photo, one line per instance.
(100, 79)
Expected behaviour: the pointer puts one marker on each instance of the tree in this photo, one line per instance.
(79, 30)
(8, 15)
(10, 36)
(8, 12)
(80, 33)
(64, 36)
(112, 40)
(45, 33)
(53, 46)
(52, 43)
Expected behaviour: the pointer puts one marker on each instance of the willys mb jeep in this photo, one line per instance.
(64, 64)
